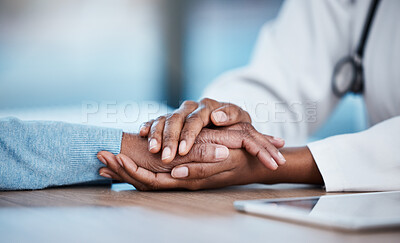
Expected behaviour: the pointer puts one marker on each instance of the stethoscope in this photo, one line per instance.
(348, 74)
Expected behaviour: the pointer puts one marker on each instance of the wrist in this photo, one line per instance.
(129, 142)
(300, 167)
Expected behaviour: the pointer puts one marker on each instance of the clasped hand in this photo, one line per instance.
(206, 144)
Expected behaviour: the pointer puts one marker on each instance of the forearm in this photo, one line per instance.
(300, 167)
(38, 154)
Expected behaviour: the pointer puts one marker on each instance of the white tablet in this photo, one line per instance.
(362, 211)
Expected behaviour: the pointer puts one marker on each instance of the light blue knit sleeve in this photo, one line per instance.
(40, 154)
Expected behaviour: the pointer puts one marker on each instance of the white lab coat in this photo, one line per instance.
(286, 88)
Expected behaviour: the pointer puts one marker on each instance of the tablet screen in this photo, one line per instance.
(363, 205)
(304, 204)
(351, 211)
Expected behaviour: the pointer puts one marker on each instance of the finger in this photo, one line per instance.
(205, 152)
(260, 145)
(156, 133)
(267, 146)
(199, 170)
(228, 115)
(102, 155)
(235, 139)
(172, 130)
(218, 180)
(164, 181)
(276, 141)
(229, 138)
(115, 165)
(145, 128)
(248, 138)
(194, 123)
(255, 149)
(107, 173)
(149, 179)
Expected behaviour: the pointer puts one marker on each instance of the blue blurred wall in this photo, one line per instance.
(66, 52)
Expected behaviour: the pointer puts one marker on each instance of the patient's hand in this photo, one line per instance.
(238, 169)
(135, 147)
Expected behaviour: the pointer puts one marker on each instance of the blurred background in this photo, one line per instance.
(63, 53)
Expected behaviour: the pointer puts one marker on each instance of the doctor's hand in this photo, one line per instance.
(184, 125)
(239, 168)
(243, 135)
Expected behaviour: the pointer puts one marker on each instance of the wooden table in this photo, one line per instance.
(120, 213)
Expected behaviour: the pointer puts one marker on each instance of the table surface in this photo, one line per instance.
(120, 213)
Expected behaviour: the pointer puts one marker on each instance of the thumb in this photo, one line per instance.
(228, 115)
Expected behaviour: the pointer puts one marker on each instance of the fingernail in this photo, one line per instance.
(180, 172)
(120, 161)
(221, 152)
(101, 158)
(220, 116)
(274, 164)
(152, 144)
(281, 157)
(166, 153)
(281, 140)
(182, 147)
(105, 175)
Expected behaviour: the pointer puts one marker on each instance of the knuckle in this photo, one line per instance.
(195, 118)
(155, 133)
(245, 115)
(148, 123)
(246, 126)
(157, 124)
(189, 104)
(170, 137)
(206, 100)
(246, 136)
(235, 107)
(202, 151)
(237, 111)
(160, 118)
(231, 106)
(186, 133)
(201, 172)
(175, 116)
(192, 116)
(208, 104)
(271, 148)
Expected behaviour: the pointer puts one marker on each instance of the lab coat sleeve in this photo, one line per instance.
(364, 161)
(286, 87)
